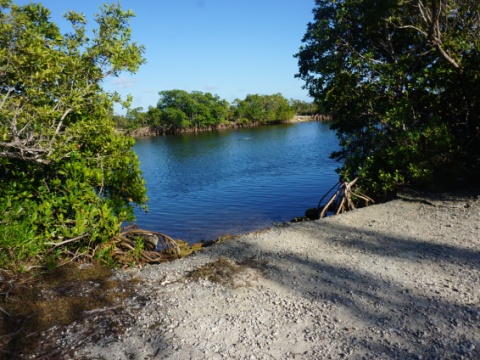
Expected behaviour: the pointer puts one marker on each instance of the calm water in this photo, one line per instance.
(205, 185)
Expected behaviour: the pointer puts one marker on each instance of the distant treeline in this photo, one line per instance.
(178, 110)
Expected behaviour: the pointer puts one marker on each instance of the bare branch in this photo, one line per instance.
(68, 111)
(415, 28)
(19, 156)
(347, 44)
(7, 95)
(22, 129)
(55, 245)
(5, 312)
(446, 56)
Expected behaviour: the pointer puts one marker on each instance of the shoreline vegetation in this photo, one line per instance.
(148, 131)
(178, 111)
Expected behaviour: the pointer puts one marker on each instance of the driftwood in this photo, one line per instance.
(343, 199)
(157, 247)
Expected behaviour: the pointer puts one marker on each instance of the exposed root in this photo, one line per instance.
(156, 247)
(344, 199)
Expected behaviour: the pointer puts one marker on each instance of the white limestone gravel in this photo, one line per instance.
(400, 280)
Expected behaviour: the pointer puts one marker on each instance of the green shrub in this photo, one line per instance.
(68, 179)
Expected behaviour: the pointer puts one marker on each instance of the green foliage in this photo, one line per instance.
(139, 246)
(120, 121)
(175, 118)
(68, 179)
(401, 80)
(154, 116)
(136, 118)
(17, 237)
(197, 110)
(264, 108)
(178, 110)
(305, 108)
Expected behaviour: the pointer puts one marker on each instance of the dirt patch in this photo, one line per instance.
(50, 301)
(227, 272)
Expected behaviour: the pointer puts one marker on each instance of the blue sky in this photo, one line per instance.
(227, 47)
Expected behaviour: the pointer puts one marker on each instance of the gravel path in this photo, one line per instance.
(399, 280)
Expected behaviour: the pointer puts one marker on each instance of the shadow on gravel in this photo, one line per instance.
(409, 249)
(396, 321)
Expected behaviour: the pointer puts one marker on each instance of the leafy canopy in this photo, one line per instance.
(402, 82)
(264, 108)
(67, 176)
(178, 110)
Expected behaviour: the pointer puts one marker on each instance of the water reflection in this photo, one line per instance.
(204, 185)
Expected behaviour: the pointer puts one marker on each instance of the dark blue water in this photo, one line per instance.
(205, 185)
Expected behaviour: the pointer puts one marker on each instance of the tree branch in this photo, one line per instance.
(413, 27)
(55, 245)
(68, 111)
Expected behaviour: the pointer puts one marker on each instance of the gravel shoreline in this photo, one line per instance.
(399, 280)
